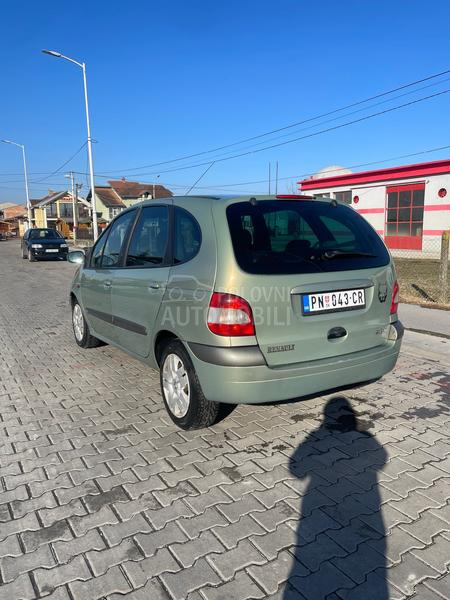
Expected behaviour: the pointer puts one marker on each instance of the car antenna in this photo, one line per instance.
(334, 202)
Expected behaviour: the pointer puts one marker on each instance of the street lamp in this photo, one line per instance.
(26, 177)
(89, 139)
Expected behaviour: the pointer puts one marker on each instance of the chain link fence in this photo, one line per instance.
(424, 275)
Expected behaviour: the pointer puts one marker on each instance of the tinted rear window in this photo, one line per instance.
(292, 236)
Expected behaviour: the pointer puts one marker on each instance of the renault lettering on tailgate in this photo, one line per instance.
(333, 301)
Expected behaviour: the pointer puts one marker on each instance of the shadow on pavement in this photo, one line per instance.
(337, 554)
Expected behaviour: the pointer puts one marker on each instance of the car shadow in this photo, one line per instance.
(340, 536)
(225, 410)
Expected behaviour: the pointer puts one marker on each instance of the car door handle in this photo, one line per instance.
(107, 284)
(155, 285)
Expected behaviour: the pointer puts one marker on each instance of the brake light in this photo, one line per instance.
(395, 298)
(230, 315)
(293, 197)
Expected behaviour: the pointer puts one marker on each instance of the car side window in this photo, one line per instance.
(187, 236)
(148, 244)
(115, 244)
(97, 252)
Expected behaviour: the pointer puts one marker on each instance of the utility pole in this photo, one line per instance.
(269, 179)
(276, 180)
(157, 177)
(74, 193)
(78, 186)
(72, 187)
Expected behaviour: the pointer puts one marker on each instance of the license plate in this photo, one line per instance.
(313, 304)
(52, 250)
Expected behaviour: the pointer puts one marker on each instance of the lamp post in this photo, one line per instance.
(26, 177)
(89, 139)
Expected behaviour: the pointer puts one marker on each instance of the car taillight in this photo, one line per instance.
(230, 315)
(395, 297)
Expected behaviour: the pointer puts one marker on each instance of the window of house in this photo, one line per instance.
(404, 216)
(344, 197)
(115, 244)
(148, 245)
(65, 210)
(83, 211)
(113, 212)
(187, 236)
(52, 210)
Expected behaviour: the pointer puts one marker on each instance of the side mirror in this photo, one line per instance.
(76, 256)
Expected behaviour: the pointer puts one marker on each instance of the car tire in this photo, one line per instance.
(81, 330)
(181, 391)
(31, 258)
(24, 254)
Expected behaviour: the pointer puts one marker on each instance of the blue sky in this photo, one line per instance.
(172, 78)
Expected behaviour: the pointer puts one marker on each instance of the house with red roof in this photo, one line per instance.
(111, 199)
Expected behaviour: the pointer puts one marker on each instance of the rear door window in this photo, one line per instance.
(291, 236)
(148, 246)
(187, 236)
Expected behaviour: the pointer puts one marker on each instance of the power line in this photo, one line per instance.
(222, 186)
(310, 135)
(314, 118)
(317, 117)
(368, 164)
(17, 174)
(339, 126)
(284, 135)
(48, 174)
(258, 181)
(198, 179)
(62, 166)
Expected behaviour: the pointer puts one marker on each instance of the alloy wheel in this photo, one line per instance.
(78, 322)
(176, 386)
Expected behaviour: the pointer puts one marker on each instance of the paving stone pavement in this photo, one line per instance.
(101, 496)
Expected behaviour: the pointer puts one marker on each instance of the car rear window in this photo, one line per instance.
(302, 236)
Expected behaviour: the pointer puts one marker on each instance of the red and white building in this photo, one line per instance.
(409, 206)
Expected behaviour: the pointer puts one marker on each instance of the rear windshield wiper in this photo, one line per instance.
(329, 254)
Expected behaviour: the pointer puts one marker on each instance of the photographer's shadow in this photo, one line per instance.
(336, 435)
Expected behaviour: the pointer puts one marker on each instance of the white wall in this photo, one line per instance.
(373, 196)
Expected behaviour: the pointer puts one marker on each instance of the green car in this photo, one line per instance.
(241, 299)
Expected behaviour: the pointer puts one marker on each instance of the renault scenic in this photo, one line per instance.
(241, 299)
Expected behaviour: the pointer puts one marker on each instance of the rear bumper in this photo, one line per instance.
(257, 383)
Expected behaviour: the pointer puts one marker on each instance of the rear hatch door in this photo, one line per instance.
(317, 277)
